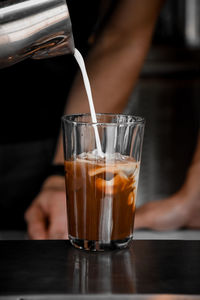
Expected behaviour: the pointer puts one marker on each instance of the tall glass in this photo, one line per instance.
(101, 187)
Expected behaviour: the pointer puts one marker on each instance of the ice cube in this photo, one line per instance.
(83, 155)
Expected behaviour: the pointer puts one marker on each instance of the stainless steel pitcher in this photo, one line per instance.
(34, 28)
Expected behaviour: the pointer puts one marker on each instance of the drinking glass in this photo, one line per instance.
(101, 182)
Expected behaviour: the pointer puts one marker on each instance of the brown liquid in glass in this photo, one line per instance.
(101, 199)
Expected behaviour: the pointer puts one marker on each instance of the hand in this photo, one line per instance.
(46, 217)
(165, 214)
(180, 210)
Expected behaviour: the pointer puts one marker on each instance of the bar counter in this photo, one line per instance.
(147, 269)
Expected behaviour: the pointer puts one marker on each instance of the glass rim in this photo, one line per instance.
(137, 119)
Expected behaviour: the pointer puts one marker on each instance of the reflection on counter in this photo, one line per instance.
(55, 267)
(95, 272)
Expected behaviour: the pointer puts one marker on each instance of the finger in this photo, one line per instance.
(36, 223)
(58, 219)
(58, 228)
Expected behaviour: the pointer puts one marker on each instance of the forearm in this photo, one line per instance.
(112, 76)
(115, 61)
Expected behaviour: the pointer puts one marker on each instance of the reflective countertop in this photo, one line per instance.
(147, 269)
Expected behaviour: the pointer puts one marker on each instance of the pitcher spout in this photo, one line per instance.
(34, 28)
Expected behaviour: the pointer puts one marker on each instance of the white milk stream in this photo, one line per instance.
(81, 64)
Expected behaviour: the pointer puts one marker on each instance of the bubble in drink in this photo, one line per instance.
(101, 197)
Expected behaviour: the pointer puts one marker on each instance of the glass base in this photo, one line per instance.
(99, 246)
